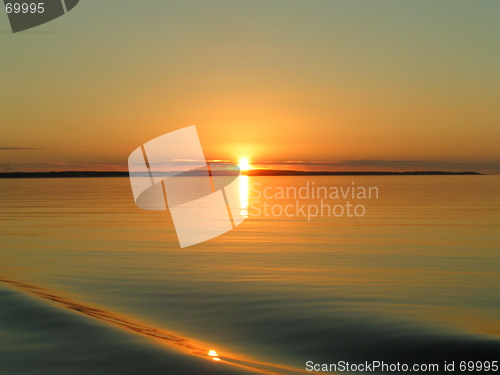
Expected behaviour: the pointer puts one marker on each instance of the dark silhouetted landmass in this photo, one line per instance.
(265, 172)
(254, 172)
(66, 174)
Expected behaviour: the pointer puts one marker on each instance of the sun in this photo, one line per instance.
(244, 164)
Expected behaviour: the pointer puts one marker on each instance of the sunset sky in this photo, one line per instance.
(365, 84)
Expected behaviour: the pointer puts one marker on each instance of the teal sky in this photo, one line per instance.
(373, 80)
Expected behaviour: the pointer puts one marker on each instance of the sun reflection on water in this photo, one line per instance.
(244, 192)
(214, 355)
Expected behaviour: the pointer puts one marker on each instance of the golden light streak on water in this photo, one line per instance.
(244, 192)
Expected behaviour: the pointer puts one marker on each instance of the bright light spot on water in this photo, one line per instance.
(243, 181)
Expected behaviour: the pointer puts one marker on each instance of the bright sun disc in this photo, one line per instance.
(244, 164)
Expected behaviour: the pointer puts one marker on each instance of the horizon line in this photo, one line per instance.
(251, 173)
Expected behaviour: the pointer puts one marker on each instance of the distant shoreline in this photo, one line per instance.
(255, 172)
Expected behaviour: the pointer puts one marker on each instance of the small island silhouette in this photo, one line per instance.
(253, 172)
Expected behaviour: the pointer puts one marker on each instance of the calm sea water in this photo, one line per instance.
(413, 280)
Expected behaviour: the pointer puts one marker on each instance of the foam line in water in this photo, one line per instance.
(138, 328)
